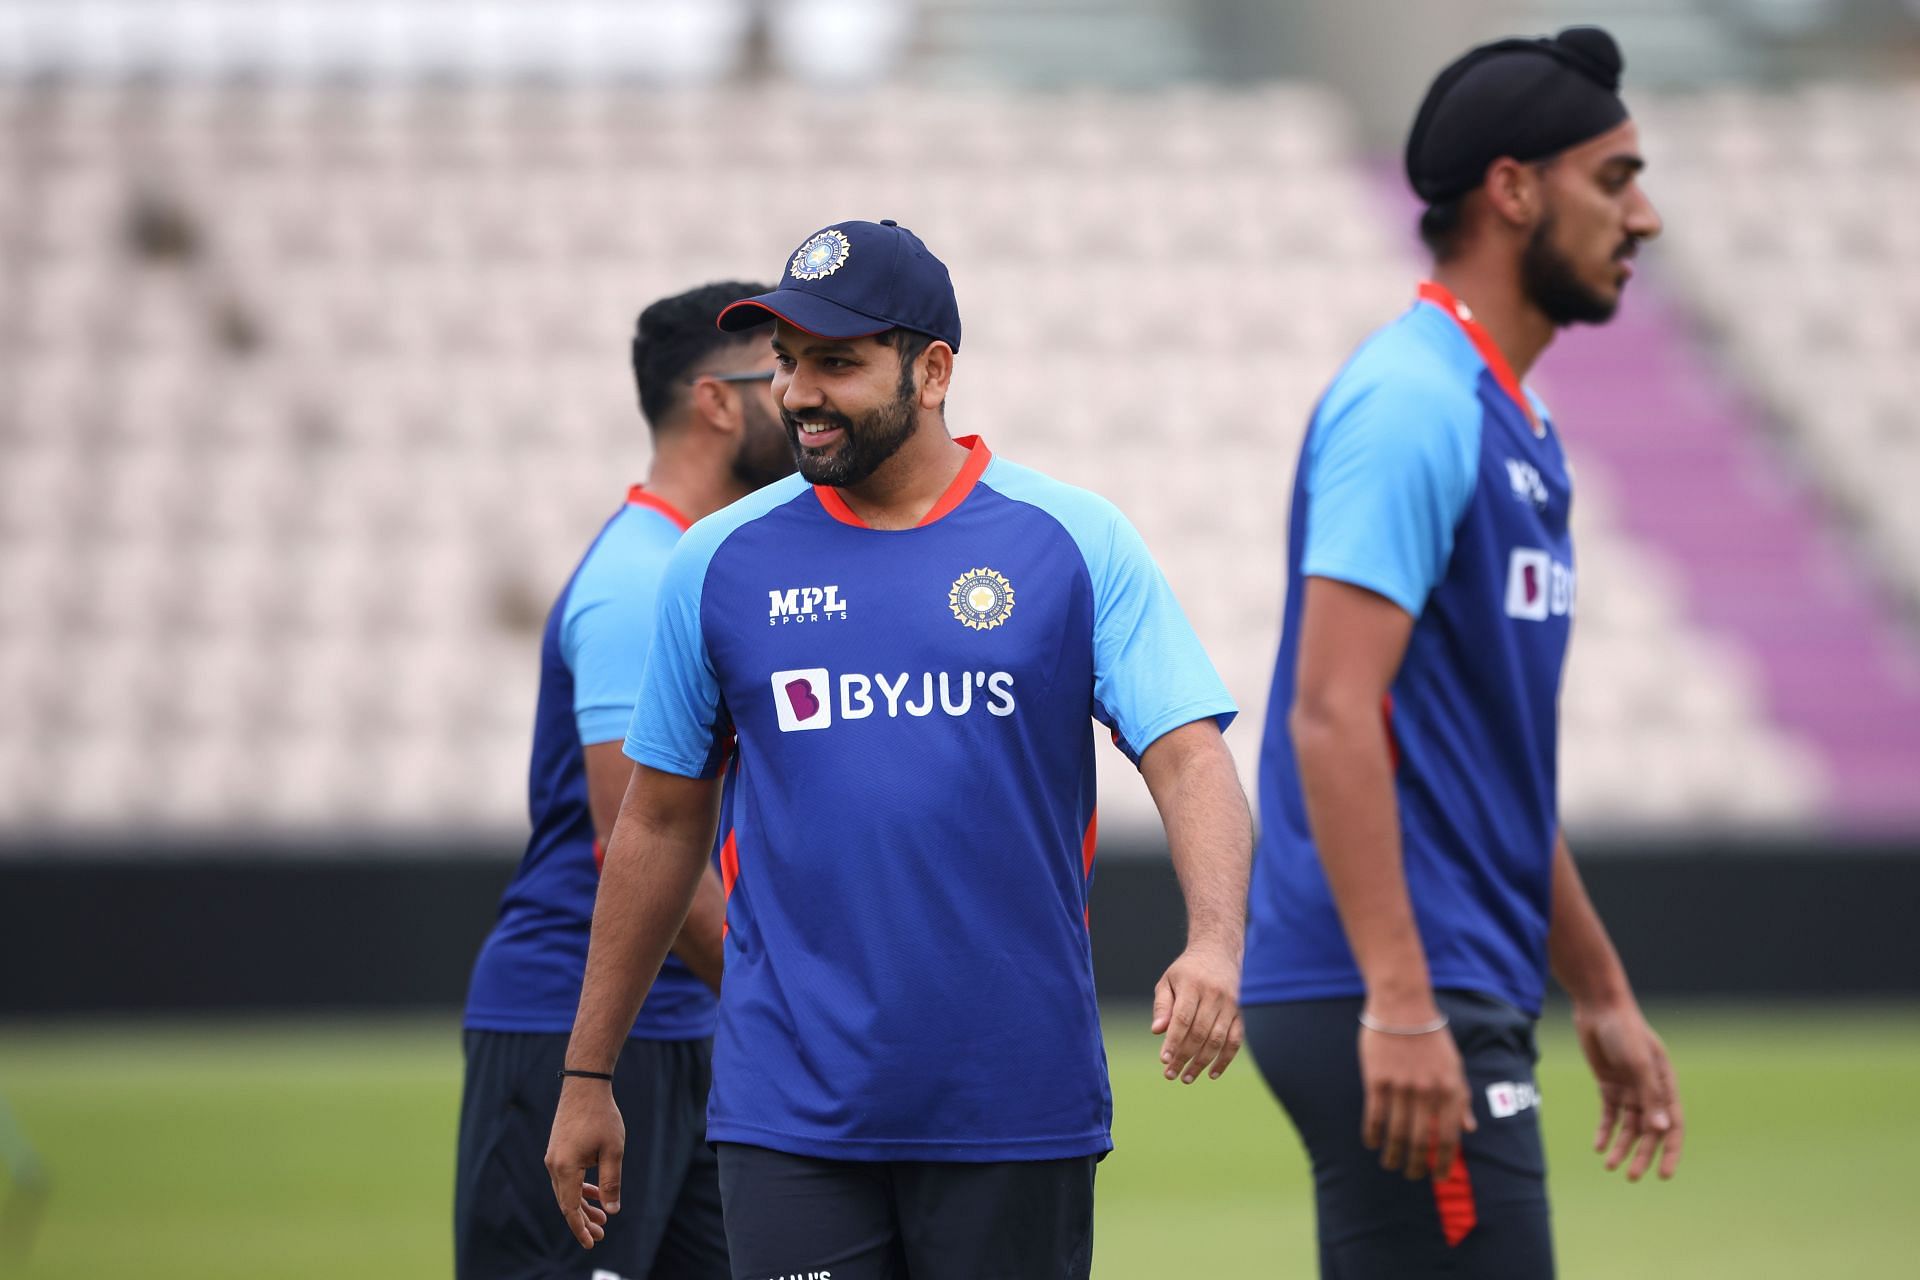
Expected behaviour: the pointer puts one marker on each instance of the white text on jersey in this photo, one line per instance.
(805, 604)
(802, 698)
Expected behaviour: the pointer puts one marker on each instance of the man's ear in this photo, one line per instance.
(1514, 192)
(711, 406)
(936, 374)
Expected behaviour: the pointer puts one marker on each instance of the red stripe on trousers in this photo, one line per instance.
(1453, 1196)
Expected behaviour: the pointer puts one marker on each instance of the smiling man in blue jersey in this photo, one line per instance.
(1412, 877)
(911, 641)
(716, 436)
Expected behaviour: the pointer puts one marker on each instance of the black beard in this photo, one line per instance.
(865, 444)
(1551, 285)
(763, 456)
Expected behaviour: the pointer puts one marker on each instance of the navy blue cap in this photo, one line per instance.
(856, 279)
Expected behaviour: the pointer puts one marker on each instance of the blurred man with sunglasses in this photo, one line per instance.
(717, 436)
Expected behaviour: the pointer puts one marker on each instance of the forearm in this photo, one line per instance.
(700, 945)
(647, 884)
(1578, 948)
(1209, 832)
(1346, 776)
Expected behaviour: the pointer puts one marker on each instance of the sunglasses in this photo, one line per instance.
(765, 375)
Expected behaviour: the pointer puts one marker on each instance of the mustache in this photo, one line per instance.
(1628, 248)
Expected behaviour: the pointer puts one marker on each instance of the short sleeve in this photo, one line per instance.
(1389, 473)
(677, 719)
(604, 638)
(1150, 673)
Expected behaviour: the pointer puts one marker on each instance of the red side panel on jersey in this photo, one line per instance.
(1087, 845)
(1386, 718)
(729, 873)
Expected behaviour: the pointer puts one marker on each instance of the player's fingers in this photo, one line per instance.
(1373, 1119)
(1609, 1117)
(566, 1193)
(1676, 1138)
(1162, 1007)
(1393, 1151)
(1420, 1138)
(609, 1179)
(1458, 1117)
(1236, 1036)
(1628, 1135)
(1643, 1156)
(1657, 1095)
(1179, 1033)
(1210, 1030)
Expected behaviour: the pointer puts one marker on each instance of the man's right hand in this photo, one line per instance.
(1417, 1100)
(587, 1134)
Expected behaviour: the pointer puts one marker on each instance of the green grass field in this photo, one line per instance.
(325, 1150)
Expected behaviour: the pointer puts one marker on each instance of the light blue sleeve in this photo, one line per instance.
(607, 628)
(1150, 673)
(677, 721)
(1390, 469)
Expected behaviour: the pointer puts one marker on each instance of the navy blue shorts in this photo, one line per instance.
(1488, 1220)
(801, 1218)
(506, 1225)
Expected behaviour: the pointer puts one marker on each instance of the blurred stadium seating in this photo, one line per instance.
(309, 396)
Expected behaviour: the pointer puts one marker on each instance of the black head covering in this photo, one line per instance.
(1528, 99)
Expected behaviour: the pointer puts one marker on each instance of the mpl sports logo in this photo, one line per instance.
(1538, 586)
(805, 698)
(805, 604)
(1527, 485)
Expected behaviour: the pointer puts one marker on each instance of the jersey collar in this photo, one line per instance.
(1442, 297)
(978, 456)
(637, 496)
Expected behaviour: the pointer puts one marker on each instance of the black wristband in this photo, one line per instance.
(589, 1075)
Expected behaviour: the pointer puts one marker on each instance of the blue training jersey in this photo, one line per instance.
(1424, 478)
(528, 975)
(909, 831)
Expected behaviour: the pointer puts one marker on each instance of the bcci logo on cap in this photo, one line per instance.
(981, 599)
(820, 256)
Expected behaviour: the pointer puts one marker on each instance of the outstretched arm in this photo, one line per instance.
(1640, 1114)
(1210, 832)
(653, 866)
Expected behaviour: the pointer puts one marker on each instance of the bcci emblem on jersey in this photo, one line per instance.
(981, 599)
(820, 256)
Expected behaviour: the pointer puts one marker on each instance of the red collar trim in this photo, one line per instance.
(1442, 297)
(638, 496)
(978, 456)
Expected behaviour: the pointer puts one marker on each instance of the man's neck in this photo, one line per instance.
(694, 487)
(1491, 289)
(905, 487)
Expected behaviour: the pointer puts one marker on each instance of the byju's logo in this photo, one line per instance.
(1538, 586)
(805, 604)
(803, 699)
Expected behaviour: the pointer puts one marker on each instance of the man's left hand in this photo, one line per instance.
(1640, 1116)
(1196, 1004)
